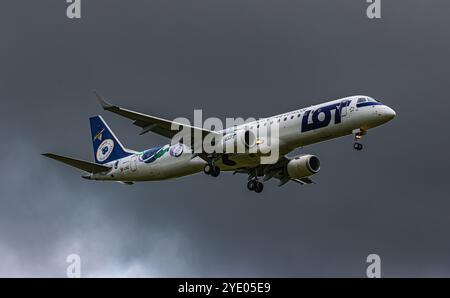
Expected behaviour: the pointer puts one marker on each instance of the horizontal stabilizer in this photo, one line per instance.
(79, 164)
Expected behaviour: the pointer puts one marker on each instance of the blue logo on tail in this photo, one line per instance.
(106, 145)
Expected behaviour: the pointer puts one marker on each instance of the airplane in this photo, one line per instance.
(353, 115)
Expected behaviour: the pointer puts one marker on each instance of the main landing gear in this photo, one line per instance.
(211, 169)
(358, 136)
(255, 185)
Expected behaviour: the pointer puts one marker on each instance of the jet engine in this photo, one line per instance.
(303, 166)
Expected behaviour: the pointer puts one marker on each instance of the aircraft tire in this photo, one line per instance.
(207, 169)
(251, 184)
(259, 187)
(215, 171)
(358, 146)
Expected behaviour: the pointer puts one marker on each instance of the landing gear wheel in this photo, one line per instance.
(251, 185)
(359, 133)
(215, 171)
(208, 169)
(259, 187)
(358, 146)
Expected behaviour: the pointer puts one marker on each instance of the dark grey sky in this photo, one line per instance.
(230, 58)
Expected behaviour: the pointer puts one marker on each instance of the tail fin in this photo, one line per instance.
(106, 145)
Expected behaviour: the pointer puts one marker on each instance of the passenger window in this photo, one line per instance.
(292, 117)
(285, 118)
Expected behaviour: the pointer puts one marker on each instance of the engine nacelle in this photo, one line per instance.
(303, 166)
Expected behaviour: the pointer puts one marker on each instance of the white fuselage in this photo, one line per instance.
(298, 128)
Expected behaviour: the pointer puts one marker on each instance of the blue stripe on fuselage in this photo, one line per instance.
(370, 103)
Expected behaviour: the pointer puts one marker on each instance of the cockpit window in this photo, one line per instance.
(360, 100)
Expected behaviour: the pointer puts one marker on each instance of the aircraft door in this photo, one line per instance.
(345, 109)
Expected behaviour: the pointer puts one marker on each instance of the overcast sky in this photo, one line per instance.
(231, 58)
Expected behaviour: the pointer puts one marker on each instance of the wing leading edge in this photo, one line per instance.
(154, 124)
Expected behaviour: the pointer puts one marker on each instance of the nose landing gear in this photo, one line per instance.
(358, 136)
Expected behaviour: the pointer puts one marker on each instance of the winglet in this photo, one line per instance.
(105, 105)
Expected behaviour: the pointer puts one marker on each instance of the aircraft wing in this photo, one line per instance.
(154, 124)
(79, 164)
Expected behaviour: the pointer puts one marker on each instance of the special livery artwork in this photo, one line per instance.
(105, 149)
(153, 154)
(176, 150)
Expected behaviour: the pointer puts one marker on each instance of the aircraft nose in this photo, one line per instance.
(389, 113)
